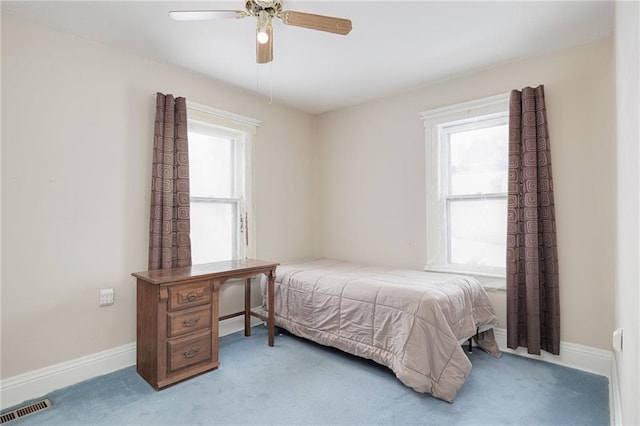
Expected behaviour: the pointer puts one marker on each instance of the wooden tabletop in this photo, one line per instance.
(206, 270)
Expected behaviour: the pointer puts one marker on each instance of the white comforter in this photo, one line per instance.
(410, 321)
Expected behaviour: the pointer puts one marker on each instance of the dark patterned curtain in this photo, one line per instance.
(169, 226)
(533, 305)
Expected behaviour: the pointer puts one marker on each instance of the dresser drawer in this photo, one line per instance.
(188, 295)
(189, 321)
(190, 350)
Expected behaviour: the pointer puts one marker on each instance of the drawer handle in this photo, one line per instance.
(191, 352)
(192, 296)
(190, 322)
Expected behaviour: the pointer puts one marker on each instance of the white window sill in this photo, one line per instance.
(489, 282)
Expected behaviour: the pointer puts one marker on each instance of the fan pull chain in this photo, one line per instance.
(258, 84)
(270, 83)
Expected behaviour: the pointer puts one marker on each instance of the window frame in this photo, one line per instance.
(439, 122)
(241, 131)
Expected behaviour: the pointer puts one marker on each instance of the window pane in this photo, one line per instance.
(478, 161)
(478, 232)
(210, 166)
(212, 231)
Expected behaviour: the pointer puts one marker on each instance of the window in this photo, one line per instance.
(467, 161)
(219, 177)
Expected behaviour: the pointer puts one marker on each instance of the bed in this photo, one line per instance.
(410, 321)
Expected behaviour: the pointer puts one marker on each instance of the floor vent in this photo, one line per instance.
(24, 411)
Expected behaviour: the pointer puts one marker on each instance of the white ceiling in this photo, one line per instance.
(394, 46)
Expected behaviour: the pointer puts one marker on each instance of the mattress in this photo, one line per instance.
(410, 321)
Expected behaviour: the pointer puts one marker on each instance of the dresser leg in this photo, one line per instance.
(270, 306)
(247, 307)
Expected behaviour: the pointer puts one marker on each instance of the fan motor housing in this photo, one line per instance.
(273, 8)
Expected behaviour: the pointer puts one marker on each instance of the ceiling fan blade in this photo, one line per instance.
(201, 15)
(264, 51)
(317, 22)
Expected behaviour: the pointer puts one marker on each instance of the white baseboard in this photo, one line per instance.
(37, 383)
(235, 324)
(585, 358)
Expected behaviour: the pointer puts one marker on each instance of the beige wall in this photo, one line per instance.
(77, 128)
(371, 177)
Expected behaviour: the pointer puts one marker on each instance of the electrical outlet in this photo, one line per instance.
(106, 297)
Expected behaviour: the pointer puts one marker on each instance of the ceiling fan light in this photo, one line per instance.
(262, 32)
(262, 37)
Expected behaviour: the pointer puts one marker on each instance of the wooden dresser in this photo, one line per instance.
(177, 317)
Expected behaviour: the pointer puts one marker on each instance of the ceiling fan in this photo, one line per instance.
(265, 11)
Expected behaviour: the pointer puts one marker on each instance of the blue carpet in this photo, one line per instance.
(298, 382)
